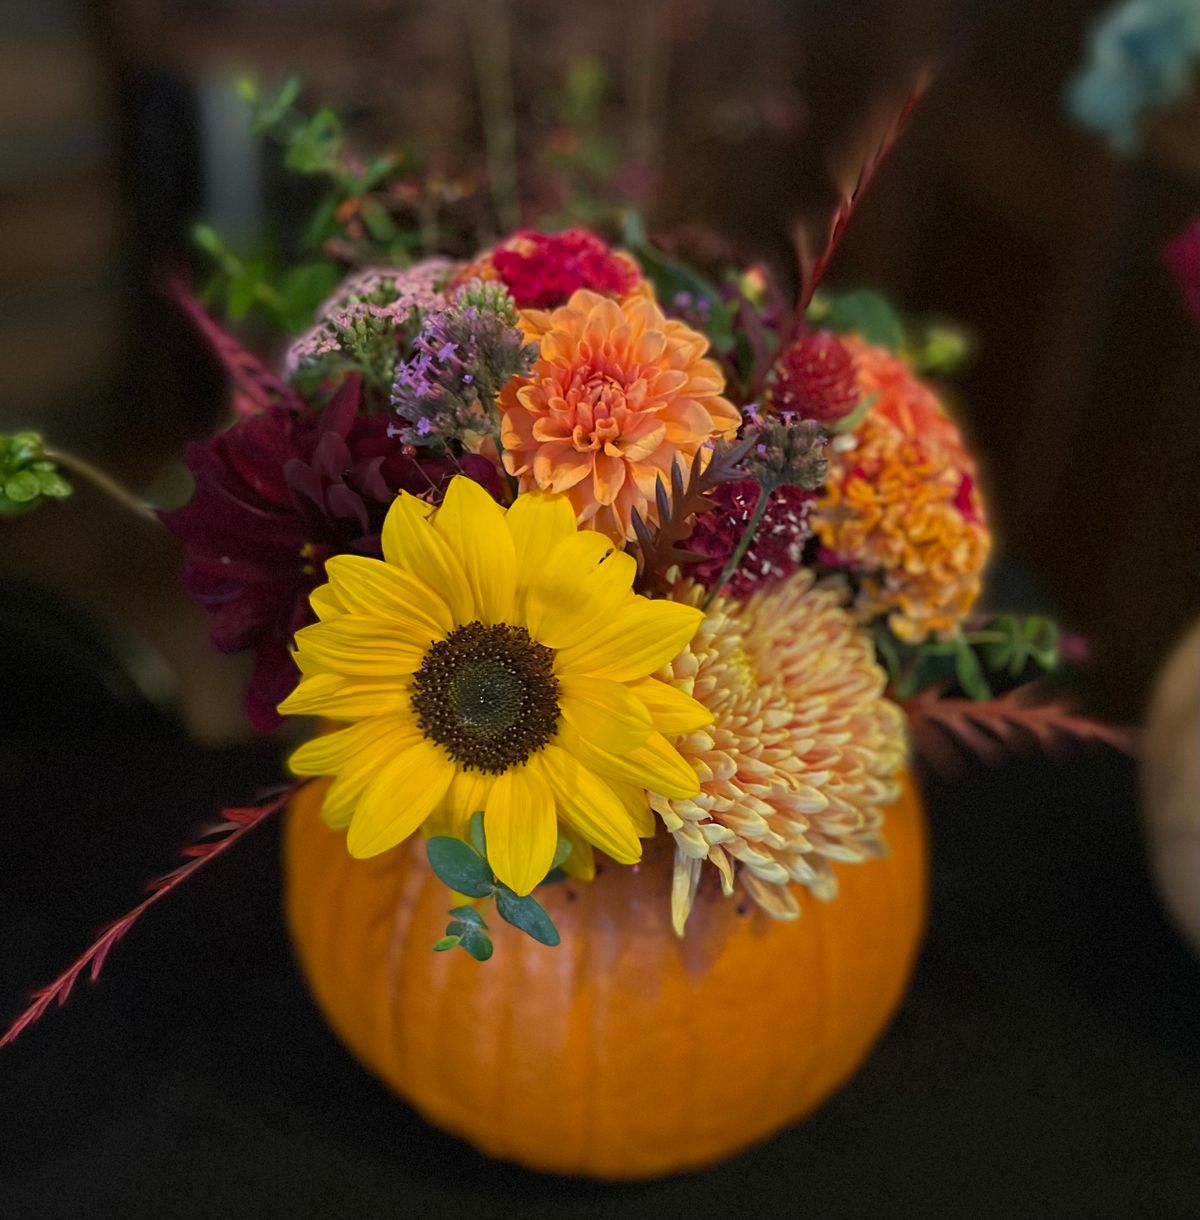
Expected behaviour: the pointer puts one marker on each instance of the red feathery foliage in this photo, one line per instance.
(851, 188)
(255, 387)
(234, 824)
(942, 729)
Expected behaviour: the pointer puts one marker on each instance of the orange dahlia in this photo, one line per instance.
(803, 753)
(618, 393)
(901, 508)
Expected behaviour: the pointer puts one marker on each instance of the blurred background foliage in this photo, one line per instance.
(432, 124)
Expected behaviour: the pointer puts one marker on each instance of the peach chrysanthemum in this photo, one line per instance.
(803, 752)
(901, 508)
(617, 394)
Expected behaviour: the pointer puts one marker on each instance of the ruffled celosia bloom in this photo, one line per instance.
(801, 757)
(618, 393)
(901, 510)
(542, 270)
(494, 661)
(276, 495)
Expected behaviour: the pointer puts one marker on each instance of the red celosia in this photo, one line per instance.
(777, 545)
(814, 378)
(542, 270)
(276, 495)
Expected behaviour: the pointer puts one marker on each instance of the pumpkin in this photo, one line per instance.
(625, 1052)
(1171, 784)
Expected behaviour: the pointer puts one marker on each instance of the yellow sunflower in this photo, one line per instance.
(499, 661)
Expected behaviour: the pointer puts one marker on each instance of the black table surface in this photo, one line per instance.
(1046, 1061)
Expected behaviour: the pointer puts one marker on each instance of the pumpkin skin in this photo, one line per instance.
(625, 1052)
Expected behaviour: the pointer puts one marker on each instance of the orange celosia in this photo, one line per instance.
(901, 507)
(618, 393)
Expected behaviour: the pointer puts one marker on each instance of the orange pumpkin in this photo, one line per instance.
(625, 1052)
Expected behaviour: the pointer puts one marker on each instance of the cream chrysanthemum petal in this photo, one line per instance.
(499, 662)
(802, 753)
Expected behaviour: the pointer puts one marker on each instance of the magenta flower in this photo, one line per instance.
(276, 495)
(1182, 255)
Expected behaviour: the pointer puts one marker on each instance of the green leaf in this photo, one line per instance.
(243, 293)
(378, 220)
(849, 422)
(527, 914)
(316, 146)
(478, 944)
(447, 942)
(469, 915)
(459, 866)
(322, 222)
(969, 672)
(22, 487)
(870, 315)
(478, 838)
(561, 852)
(303, 289)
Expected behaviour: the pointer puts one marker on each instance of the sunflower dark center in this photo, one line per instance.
(488, 695)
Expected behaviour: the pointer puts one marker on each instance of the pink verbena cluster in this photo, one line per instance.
(374, 305)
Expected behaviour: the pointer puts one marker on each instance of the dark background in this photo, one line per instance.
(1046, 1061)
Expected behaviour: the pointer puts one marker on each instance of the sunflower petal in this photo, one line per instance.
(538, 522)
(588, 805)
(604, 712)
(639, 638)
(357, 647)
(583, 582)
(672, 710)
(473, 525)
(325, 602)
(581, 863)
(521, 829)
(382, 738)
(468, 796)
(369, 586)
(400, 798)
(654, 765)
(328, 694)
(412, 544)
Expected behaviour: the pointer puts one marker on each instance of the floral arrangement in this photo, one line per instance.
(570, 544)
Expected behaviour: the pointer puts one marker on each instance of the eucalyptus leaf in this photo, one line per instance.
(478, 944)
(459, 866)
(478, 838)
(469, 915)
(527, 914)
(561, 852)
(447, 942)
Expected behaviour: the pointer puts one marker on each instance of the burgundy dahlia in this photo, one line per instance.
(814, 379)
(776, 548)
(276, 495)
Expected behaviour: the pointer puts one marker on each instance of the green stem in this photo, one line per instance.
(102, 482)
(488, 29)
(760, 511)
